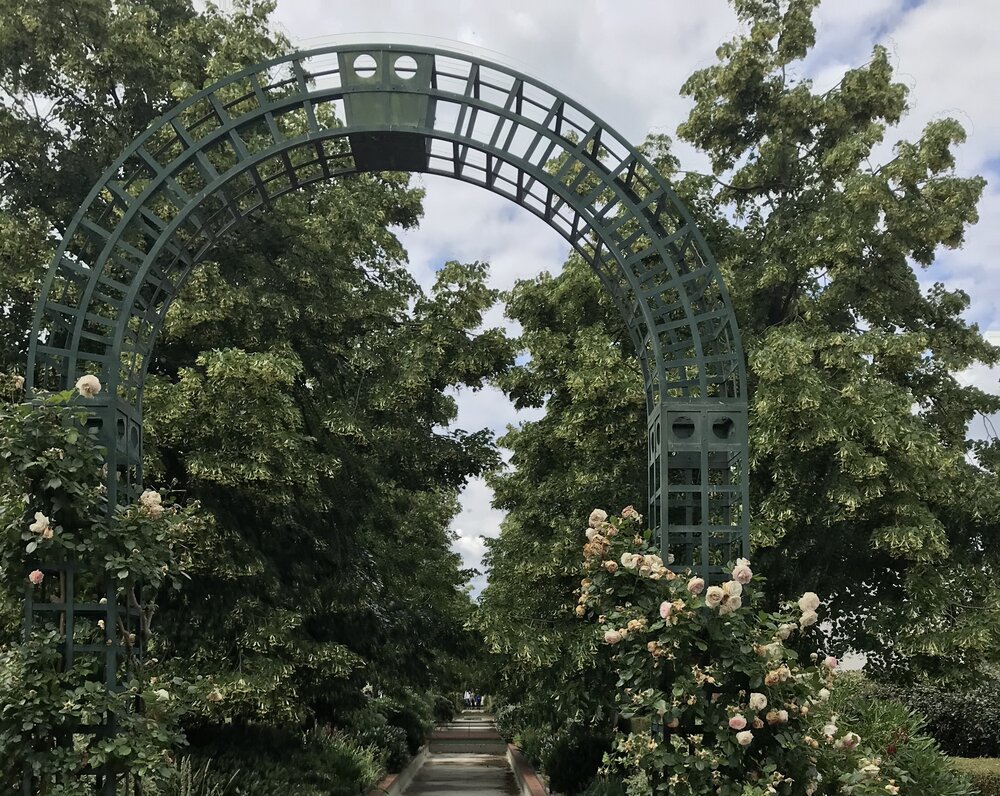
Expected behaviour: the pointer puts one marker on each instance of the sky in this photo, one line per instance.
(625, 61)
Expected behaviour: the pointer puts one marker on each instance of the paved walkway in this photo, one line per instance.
(467, 756)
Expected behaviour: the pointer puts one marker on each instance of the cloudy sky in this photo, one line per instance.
(625, 61)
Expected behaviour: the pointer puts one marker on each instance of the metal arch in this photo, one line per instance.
(236, 146)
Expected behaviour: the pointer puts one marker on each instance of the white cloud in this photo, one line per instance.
(626, 61)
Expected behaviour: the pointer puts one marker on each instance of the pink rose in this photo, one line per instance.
(737, 722)
(612, 637)
(742, 573)
(830, 662)
(665, 609)
(696, 586)
(36, 577)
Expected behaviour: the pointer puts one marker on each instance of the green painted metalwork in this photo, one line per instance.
(229, 151)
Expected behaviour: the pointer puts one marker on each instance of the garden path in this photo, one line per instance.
(467, 756)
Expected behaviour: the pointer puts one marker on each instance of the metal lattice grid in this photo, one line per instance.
(232, 149)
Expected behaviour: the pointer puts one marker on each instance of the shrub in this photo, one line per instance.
(193, 779)
(505, 719)
(389, 743)
(572, 759)
(605, 787)
(983, 771)
(269, 760)
(961, 719)
(410, 712)
(720, 704)
(444, 707)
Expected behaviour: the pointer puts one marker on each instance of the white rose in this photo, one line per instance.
(597, 516)
(40, 524)
(88, 386)
(733, 588)
(714, 596)
(742, 572)
(808, 602)
(757, 701)
(784, 631)
(808, 618)
(824, 694)
(744, 738)
(19, 382)
(612, 636)
(830, 730)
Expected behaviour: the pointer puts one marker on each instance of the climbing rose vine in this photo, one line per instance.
(716, 701)
(54, 512)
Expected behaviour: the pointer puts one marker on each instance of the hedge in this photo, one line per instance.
(983, 771)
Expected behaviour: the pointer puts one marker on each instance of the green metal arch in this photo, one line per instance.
(230, 150)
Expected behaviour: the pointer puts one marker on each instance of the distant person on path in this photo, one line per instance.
(468, 699)
(479, 700)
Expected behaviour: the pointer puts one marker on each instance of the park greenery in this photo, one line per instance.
(311, 620)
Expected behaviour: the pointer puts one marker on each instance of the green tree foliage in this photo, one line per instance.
(861, 480)
(862, 483)
(298, 391)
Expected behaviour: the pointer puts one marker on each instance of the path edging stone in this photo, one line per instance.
(395, 784)
(528, 781)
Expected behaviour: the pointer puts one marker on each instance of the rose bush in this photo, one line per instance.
(716, 701)
(54, 720)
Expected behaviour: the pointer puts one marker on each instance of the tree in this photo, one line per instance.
(862, 483)
(297, 391)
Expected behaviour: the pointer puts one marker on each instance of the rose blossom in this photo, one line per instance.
(152, 503)
(88, 386)
(714, 596)
(823, 695)
(830, 730)
(808, 602)
(40, 524)
(784, 631)
(666, 609)
(730, 605)
(744, 738)
(737, 722)
(19, 382)
(696, 586)
(597, 516)
(612, 636)
(629, 513)
(777, 717)
(807, 619)
(742, 572)
(733, 588)
(757, 701)
(611, 567)
(849, 741)
(36, 577)
(591, 533)
(830, 662)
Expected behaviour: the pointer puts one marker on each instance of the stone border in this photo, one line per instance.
(395, 784)
(528, 782)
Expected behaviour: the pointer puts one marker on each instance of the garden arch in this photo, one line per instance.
(231, 149)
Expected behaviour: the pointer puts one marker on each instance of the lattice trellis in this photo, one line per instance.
(232, 149)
